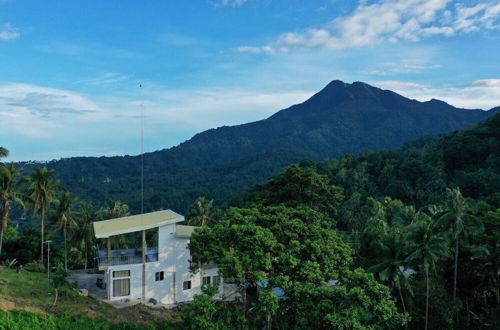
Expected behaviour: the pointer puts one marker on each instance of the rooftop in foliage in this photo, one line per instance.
(133, 223)
(184, 231)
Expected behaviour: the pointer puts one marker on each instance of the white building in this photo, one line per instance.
(159, 271)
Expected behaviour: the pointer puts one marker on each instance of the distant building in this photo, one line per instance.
(159, 272)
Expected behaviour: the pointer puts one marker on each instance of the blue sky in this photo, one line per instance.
(70, 70)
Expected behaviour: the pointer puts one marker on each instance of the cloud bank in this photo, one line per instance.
(389, 21)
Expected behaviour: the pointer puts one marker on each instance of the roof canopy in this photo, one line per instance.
(133, 223)
(184, 231)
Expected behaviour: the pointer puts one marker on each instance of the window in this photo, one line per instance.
(216, 280)
(121, 287)
(121, 273)
(159, 276)
(186, 285)
(206, 280)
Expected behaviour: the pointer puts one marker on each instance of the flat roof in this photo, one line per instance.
(184, 231)
(133, 223)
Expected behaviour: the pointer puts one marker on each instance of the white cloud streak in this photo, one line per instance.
(479, 94)
(36, 111)
(389, 21)
(8, 32)
(233, 3)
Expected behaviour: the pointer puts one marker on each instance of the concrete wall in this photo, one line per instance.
(173, 260)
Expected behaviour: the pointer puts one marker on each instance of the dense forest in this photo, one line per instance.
(366, 242)
(218, 163)
(390, 239)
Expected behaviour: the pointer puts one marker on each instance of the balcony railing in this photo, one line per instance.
(126, 257)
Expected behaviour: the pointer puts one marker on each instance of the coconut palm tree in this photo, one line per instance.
(41, 192)
(116, 209)
(3, 152)
(200, 213)
(10, 191)
(427, 247)
(456, 217)
(85, 232)
(65, 219)
(393, 268)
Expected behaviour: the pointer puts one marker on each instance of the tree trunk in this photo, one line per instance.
(427, 301)
(55, 298)
(244, 296)
(65, 250)
(455, 275)
(86, 257)
(402, 300)
(42, 216)
(3, 224)
(1, 241)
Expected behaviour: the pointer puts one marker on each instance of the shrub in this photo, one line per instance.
(35, 267)
(10, 263)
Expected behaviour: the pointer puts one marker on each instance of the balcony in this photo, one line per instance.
(126, 257)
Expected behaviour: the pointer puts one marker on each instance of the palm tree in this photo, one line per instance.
(455, 217)
(3, 152)
(200, 213)
(10, 191)
(393, 268)
(41, 191)
(65, 218)
(85, 232)
(117, 209)
(427, 247)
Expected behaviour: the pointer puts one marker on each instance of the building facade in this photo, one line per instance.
(158, 274)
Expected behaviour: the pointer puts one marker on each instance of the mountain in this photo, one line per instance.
(340, 119)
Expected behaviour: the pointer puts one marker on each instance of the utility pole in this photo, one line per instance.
(48, 258)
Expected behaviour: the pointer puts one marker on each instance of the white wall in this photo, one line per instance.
(173, 257)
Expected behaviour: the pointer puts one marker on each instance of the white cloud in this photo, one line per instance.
(479, 94)
(8, 32)
(36, 111)
(43, 101)
(60, 123)
(205, 108)
(390, 21)
(233, 3)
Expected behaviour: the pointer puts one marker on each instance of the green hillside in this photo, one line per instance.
(340, 119)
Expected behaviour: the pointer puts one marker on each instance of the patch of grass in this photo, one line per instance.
(32, 292)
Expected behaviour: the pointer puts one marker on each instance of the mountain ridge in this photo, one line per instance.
(341, 118)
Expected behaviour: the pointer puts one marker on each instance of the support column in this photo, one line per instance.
(144, 247)
(108, 252)
(174, 287)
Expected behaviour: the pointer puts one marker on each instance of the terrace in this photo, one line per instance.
(132, 231)
(126, 256)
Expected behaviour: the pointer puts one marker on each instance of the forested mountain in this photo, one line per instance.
(340, 119)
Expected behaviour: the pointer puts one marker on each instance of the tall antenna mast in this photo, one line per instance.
(142, 151)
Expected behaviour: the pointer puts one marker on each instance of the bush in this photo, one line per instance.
(59, 276)
(35, 267)
(20, 320)
(10, 263)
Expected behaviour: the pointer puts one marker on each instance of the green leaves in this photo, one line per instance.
(297, 250)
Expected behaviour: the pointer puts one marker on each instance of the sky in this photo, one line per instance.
(75, 76)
